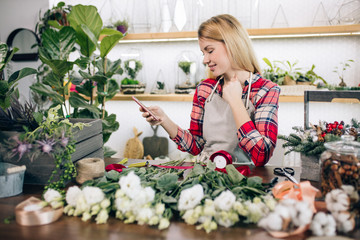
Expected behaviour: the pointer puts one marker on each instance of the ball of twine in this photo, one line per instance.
(89, 168)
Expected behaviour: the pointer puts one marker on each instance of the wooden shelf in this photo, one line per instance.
(185, 98)
(353, 29)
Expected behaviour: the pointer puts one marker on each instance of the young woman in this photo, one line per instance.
(235, 111)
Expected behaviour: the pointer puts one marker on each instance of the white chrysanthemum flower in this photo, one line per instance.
(72, 195)
(323, 225)
(304, 214)
(144, 215)
(52, 195)
(272, 222)
(337, 200)
(344, 221)
(225, 200)
(164, 223)
(130, 184)
(190, 197)
(93, 195)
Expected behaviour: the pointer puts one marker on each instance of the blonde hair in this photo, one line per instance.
(227, 29)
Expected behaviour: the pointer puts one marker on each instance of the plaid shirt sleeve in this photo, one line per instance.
(192, 140)
(258, 139)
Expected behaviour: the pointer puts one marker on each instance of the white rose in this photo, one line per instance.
(190, 197)
(72, 195)
(144, 215)
(225, 200)
(144, 196)
(93, 195)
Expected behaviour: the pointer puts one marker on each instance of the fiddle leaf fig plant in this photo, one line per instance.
(94, 84)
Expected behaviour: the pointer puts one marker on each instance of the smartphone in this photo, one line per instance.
(145, 108)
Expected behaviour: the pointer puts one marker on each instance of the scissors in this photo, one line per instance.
(286, 172)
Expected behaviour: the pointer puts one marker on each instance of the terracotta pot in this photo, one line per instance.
(289, 81)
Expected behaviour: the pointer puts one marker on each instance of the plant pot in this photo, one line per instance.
(133, 88)
(89, 143)
(310, 168)
(289, 81)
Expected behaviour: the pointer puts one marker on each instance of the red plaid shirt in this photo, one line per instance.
(257, 139)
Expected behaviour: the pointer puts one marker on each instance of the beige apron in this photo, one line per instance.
(219, 128)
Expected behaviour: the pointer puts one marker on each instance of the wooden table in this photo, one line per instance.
(69, 228)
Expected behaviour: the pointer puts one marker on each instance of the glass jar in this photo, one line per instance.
(340, 164)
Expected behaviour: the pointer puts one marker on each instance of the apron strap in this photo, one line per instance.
(214, 89)
(248, 95)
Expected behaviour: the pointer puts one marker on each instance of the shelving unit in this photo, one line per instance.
(184, 98)
(318, 31)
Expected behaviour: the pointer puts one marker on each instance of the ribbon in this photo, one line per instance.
(303, 191)
(219, 157)
(31, 213)
(244, 170)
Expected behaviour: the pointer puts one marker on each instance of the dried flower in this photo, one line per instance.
(46, 145)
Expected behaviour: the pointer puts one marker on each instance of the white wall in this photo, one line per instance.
(324, 52)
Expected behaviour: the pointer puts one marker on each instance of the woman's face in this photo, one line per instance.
(215, 56)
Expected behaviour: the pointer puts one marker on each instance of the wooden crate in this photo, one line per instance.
(89, 143)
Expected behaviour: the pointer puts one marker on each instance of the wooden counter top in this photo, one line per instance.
(70, 228)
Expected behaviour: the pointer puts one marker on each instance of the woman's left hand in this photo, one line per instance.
(232, 91)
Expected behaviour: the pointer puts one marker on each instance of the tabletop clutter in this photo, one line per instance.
(208, 195)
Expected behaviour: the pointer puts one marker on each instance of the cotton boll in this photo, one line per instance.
(337, 200)
(323, 225)
(272, 222)
(304, 214)
(350, 191)
(344, 221)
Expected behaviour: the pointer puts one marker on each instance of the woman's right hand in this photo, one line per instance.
(157, 111)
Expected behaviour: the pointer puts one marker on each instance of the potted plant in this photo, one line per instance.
(185, 86)
(340, 70)
(96, 84)
(130, 85)
(122, 26)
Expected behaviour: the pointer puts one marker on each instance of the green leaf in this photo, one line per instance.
(90, 34)
(108, 42)
(87, 15)
(113, 175)
(167, 182)
(76, 101)
(168, 199)
(109, 31)
(58, 44)
(255, 182)
(21, 74)
(196, 171)
(47, 91)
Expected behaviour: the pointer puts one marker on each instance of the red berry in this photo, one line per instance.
(329, 129)
(340, 127)
(333, 126)
(336, 122)
(323, 134)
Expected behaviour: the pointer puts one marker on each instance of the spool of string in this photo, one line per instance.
(89, 168)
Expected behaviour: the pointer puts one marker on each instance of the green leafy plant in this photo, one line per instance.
(53, 137)
(185, 66)
(84, 30)
(340, 71)
(132, 68)
(8, 87)
(121, 25)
